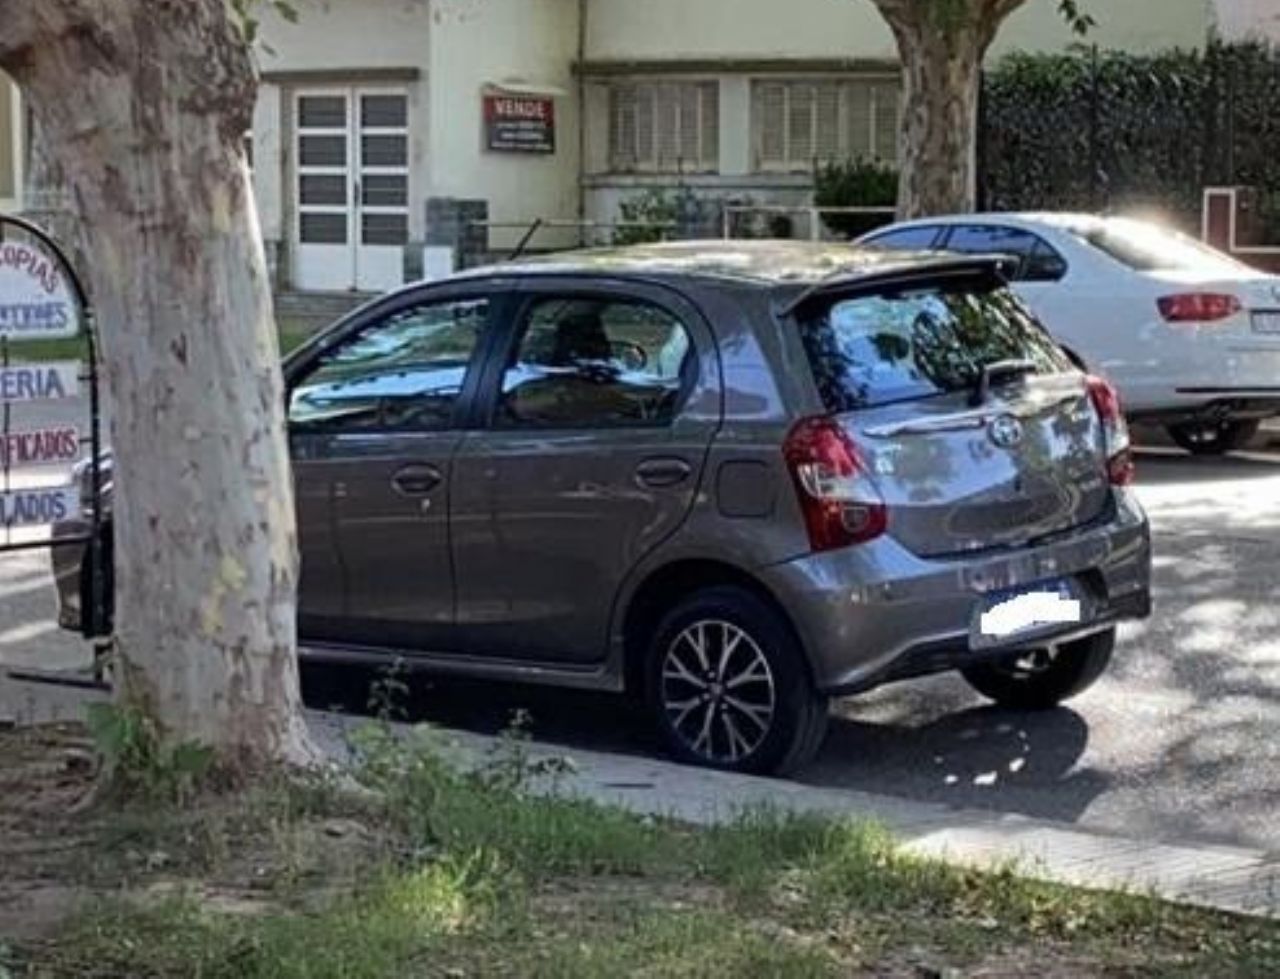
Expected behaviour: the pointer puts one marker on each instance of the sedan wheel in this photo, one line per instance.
(1213, 438)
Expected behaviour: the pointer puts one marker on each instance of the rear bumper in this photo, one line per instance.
(1187, 374)
(877, 613)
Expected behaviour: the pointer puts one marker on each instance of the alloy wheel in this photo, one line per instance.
(718, 691)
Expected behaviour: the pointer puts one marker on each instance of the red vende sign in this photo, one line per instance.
(520, 123)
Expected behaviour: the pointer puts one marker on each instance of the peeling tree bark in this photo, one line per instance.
(145, 106)
(942, 44)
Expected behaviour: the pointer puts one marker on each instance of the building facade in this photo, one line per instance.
(391, 135)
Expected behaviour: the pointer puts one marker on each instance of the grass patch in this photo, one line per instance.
(472, 874)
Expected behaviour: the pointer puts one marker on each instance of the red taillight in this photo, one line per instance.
(1198, 307)
(1115, 432)
(841, 504)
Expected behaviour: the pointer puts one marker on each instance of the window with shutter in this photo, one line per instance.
(887, 121)
(799, 123)
(828, 140)
(664, 127)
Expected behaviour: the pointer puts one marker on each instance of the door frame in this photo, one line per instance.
(352, 170)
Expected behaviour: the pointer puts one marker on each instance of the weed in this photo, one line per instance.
(139, 763)
(389, 693)
(511, 766)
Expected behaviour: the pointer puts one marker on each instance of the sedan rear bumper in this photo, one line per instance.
(871, 614)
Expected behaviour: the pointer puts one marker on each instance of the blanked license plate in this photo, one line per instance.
(1015, 613)
(1266, 321)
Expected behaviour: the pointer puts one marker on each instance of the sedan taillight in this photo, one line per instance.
(1198, 307)
(1115, 432)
(841, 504)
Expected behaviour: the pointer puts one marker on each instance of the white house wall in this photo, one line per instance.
(1241, 19)
(1136, 26)
(625, 30)
(479, 43)
(337, 34)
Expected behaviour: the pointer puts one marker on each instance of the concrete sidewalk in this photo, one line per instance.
(1223, 878)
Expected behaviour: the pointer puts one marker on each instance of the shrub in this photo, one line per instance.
(855, 183)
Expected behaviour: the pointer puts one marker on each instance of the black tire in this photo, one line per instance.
(1057, 675)
(797, 721)
(1213, 438)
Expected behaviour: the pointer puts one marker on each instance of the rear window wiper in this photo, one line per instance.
(1000, 370)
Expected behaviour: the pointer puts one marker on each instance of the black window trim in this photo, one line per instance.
(499, 293)
(535, 290)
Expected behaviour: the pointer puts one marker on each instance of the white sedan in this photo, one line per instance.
(1190, 336)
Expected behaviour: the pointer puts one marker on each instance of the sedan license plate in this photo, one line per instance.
(1016, 613)
(1267, 321)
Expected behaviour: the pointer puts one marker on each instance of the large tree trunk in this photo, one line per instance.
(942, 44)
(145, 106)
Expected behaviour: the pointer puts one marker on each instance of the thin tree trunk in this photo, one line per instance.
(145, 106)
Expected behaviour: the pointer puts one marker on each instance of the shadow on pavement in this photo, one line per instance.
(1167, 467)
(977, 758)
(570, 718)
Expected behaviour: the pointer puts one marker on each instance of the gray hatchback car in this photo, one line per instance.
(734, 478)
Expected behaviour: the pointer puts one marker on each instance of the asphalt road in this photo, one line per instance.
(1179, 741)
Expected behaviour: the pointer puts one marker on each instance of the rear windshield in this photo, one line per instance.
(871, 350)
(1150, 248)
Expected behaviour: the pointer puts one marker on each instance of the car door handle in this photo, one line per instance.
(416, 480)
(657, 473)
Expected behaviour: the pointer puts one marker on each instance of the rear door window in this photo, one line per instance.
(587, 362)
(907, 239)
(911, 343)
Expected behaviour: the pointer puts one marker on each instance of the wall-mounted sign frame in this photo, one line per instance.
(42, 299)
(519, 122)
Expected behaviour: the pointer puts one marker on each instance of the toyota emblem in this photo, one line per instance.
(1005, 431)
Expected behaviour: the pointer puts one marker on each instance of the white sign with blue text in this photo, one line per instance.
(38, 505)
(35, 300)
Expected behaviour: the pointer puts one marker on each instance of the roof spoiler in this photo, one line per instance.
(1002, 266)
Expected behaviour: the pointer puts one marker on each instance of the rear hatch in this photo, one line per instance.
(961, 464)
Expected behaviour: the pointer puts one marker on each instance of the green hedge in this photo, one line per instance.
(1112, 130)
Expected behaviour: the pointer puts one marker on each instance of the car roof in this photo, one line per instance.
(756, 262)
(1059, 220)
